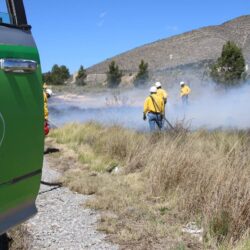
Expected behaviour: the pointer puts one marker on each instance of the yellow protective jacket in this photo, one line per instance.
(185, 90)
(162, 94)
(46, 110)
(149, 105)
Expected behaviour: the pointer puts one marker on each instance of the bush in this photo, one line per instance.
(81, 76)
(230, 66)
(142, 75)
(114, 75)
(57, 76)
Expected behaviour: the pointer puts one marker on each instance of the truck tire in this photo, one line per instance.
(4, 242)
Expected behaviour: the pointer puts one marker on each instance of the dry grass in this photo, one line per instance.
(20, 238)
(166, 180)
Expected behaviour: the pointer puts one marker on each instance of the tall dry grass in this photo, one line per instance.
(211, 174)
(206, 175)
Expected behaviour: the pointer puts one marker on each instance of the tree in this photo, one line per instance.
(47, 77)
(81, 76)
(114, 75)
(229, 69)
(64, 72)
(57, 76)
(142, 75)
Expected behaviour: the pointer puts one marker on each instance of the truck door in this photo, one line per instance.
(21, 117)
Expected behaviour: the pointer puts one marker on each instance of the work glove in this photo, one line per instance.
(144, 117)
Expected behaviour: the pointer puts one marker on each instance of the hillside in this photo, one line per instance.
(190, 48)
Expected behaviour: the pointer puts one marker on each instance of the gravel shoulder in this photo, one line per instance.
(62, 221)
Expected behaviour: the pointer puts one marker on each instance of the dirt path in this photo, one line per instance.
(62, 222)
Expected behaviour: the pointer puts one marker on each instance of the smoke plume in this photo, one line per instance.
(209, 107)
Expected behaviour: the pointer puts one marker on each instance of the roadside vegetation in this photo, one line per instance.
(149, 186)
(114, 75)
(19, 238)
(81, 76)
(142, 75)
(230, 67)
(57, 76)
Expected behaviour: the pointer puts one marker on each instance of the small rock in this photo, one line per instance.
(194, 230)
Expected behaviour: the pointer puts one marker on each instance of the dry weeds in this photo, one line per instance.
(165, 180)
(20, 238)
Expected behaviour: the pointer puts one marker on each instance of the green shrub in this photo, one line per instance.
(229, 68)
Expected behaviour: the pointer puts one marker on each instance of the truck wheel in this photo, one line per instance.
(4, 242)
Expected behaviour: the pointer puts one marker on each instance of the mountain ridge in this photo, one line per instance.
(195, 46)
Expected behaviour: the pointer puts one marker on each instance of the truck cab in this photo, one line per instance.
(21, 117)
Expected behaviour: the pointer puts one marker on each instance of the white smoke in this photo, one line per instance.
(209, 107)
(214, 108)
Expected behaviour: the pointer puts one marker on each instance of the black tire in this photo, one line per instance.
(4, 242)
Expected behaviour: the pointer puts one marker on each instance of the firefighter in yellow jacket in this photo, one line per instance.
(45, 100)
(46, 110)
(154, 109)
(185, 91)
(161, 92)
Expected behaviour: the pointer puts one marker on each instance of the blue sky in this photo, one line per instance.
(85, 32)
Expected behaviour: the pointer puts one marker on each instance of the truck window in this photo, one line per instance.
(4, 13)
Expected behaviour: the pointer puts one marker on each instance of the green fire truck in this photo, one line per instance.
(21, 117)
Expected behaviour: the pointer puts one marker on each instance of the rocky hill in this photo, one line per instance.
(190, 48)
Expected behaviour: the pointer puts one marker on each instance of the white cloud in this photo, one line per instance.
(102, 16)
(100, 23)
(172, 28)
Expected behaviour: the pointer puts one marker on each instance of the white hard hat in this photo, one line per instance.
(157, 84)
(153, 89)
(49, 92)
(182, 83)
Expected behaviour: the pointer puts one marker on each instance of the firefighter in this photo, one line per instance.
(46, 110)
(154, 110)
(185, 91)
(161, 92)
(48, 91)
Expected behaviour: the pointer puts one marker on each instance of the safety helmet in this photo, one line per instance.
(153, 89)
(157, 84)
(49, 92)
(182, 83)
